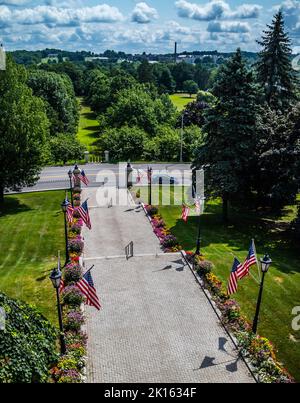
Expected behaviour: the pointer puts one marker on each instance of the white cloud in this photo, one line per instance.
(143, 14)
(14, 2)
(234, 27)
(291, 10)
(216, 9)
(54, 16)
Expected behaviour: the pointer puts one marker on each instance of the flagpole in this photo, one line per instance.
(89, 270)
(258, 268)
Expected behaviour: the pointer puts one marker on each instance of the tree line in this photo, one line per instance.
(251, 131)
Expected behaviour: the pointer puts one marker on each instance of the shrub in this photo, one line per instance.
(27, 345)
(73, 321)
(72, 273)
(72, 296)
(158, 223)
(138, 194)
(75, 228)
(76, 196)
(204, 267)
(75, 338)
(70, 376)
(76, 245)
(152, 211)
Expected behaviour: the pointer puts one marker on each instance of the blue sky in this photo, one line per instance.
(137, 26)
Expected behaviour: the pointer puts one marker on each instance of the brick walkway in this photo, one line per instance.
(156, 324)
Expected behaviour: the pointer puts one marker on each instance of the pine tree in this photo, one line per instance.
(230, 133)
(274, 68)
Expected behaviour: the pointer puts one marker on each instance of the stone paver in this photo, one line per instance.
(156, 324)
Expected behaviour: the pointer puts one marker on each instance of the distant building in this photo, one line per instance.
(96, 58)
(186, 58)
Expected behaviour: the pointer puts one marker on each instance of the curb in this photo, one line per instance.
(219, 315)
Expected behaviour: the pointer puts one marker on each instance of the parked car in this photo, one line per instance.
(164, 180)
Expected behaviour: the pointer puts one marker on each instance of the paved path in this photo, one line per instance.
(156, 324)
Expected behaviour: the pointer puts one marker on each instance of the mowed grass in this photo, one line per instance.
(88, 129)
(220, 243)
(32, 232)
(181, 100)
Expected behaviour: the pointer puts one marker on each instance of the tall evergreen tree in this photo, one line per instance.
(230, 131)
(24, 128)
(277, 179)
(274, 68)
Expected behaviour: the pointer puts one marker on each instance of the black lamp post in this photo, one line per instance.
(55, 277)
(70, 174)
(198, 247)
(150, 171)
(265, 265)
(129, 171)
(64, 206)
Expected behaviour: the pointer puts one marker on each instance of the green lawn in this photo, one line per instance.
(32, 232)
(221, 243)
(181, 100)
(88, 130)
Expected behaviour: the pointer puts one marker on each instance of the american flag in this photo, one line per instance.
(139, 177)
(62, 283)
(250, 261)
(61, 286)
(198, 205)
(87, 287)
(233, 280)
(83, 210)
(70, 211)
(84, 179)
(185, 213)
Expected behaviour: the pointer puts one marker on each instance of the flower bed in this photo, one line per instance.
(70, 368)
(168, 241)
(258, 350)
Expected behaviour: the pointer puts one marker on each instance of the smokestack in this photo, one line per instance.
(175, 53)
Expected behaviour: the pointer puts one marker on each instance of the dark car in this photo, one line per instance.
(164, 180)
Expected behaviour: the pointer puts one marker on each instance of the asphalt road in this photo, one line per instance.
(55, 178)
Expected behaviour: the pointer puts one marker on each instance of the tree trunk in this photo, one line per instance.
(1, 195)
(225, 208)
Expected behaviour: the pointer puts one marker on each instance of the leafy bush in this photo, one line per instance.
(170, 241)
(76, 228)
(124, 143)
(27, 345)
(70, 376)
(165, 146)
(64, 148)
(76, 245)
(73, 321)
(72, 296)
(79, 338)
(204, 267)
(152, 211)
(72, 273)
